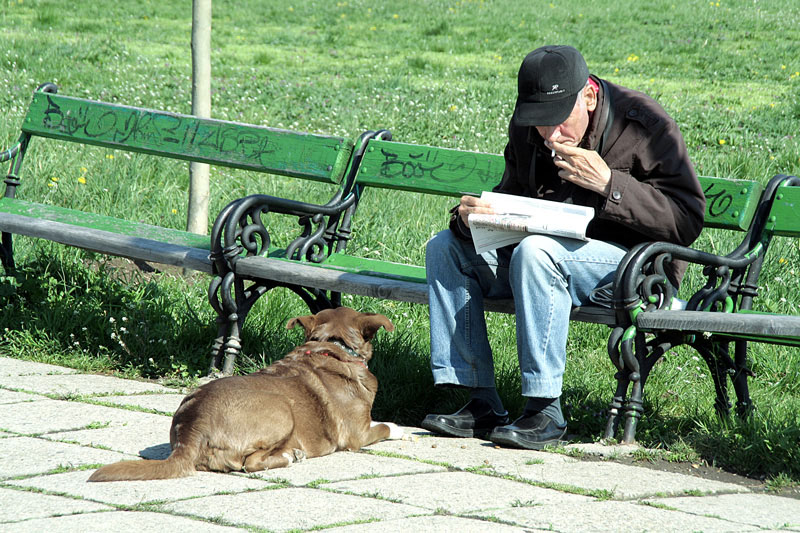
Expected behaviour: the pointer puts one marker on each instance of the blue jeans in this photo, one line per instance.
(545, 275)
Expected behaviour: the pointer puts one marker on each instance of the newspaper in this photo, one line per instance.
(518, 216)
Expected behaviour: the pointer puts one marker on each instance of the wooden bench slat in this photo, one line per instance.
(764, 325)
(106, 234)
(304, 155)
(83, 219)
(784, 215)
(376, 267)
(325, 278)
(730, 204)
(428, 169)
(330, 277)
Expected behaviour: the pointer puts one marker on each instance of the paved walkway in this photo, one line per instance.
(57, 425)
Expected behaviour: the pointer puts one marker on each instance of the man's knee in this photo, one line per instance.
(535, 250)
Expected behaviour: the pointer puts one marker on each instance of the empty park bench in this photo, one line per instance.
(318, 267)
(156, 133)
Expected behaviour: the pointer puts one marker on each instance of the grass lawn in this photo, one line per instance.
(433, 72)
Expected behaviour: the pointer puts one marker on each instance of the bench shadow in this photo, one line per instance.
(159, 451)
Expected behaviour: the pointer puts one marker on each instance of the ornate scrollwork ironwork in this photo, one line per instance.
(240, 230)
(641, 285)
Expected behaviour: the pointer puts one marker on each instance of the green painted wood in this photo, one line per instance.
(376, 267)
(360, 265)
(105, 223)
(730, 204)
(771, 328)
(303, 155)
(784, 215)
(428, 169)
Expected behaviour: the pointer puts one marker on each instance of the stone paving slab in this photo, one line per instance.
(25, 505)
(78, 384)
(7, 396)
(140, 522)
(604, 450)
(455, 492)
(137, 492)
(437, 523)
(24, 456)
(464, 453)
(612, 517)
(17, 367)
(292, 508)
(50, 416)
(340, 466)
(762, 510)
(146, 436)
(623, 481)
(165, 403)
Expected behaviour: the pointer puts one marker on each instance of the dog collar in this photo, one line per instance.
(349, 351)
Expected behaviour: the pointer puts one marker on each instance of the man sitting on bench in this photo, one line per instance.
(573, 138)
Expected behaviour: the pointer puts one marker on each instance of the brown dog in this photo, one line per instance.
(313, 402)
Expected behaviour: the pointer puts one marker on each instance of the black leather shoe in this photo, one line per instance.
(532, 432)
(475, 419)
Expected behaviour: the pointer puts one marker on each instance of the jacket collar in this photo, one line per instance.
(601, 120)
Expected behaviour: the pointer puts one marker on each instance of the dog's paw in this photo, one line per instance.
(395, 431)
(295, 456)
(299, 455)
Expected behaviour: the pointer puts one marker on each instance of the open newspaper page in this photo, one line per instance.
(518, 216)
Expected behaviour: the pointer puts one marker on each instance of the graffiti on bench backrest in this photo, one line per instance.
(139, 127)
(437, 165)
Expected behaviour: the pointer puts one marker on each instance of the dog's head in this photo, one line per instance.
(344, 325)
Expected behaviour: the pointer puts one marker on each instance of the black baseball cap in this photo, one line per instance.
(549, 79)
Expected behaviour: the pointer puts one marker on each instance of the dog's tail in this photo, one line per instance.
(180, 463)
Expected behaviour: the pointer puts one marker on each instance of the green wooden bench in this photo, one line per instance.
(162, 134)
(717, 317)
(385, 166)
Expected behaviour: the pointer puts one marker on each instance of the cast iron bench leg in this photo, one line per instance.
(7, 253)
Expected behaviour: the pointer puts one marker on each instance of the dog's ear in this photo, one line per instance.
(308, 322)
(371, 323)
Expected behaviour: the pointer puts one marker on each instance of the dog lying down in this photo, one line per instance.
(313, 402)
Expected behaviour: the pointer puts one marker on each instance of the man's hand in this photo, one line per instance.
(473, 204)
(582, 167)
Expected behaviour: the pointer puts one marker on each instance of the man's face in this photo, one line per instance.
(571, 131)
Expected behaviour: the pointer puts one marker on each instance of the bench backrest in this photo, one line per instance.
(784, 213)
(231, 144)
(730, 204)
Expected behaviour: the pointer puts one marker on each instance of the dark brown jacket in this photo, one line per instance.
(654, 193)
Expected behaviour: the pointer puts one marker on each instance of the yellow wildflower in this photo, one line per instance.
(82, 180)
(722, 141)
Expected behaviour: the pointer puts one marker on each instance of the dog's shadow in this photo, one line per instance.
(160, 451)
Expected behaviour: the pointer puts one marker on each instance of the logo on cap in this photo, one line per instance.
(555, 90)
